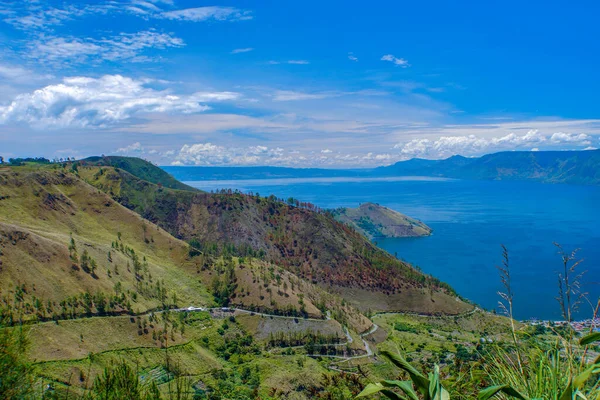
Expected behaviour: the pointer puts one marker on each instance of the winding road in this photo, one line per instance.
(373, 329)
(349, 340)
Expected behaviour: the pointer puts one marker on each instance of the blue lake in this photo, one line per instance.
(471, 219)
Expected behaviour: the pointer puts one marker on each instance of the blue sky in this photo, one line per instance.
(327, 84)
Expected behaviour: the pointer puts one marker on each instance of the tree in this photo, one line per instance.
(121, 382)
(1, 160)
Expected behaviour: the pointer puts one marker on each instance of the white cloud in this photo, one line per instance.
(32, 16)
(292, 62)
(123, 47)
(100, 102)
(326, 151)
(352, 57)
(37, 17)
(210, 154)
(243, 50)
(135, 148)
(401, 62)
(208, 13)
(467, 145)
(581, 138)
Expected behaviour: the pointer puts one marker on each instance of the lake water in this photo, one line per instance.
(470, 220)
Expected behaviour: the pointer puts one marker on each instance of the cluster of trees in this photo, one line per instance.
(18, 161)
(290, 201)
(224, 284)
(24, 306)
(144, 283)
(85, 262)
(238, 345)
(239, 382)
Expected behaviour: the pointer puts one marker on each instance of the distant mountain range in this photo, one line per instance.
(577, 167)
(574, 167)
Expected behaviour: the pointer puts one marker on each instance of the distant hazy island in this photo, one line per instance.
(375, 221)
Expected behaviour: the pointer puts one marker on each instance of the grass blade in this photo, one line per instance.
(491, 391)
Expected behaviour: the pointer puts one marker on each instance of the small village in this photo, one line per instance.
(579, 326)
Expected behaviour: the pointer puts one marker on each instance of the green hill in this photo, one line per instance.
(142, 169)
(375, 221)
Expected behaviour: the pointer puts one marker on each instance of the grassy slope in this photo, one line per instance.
(373, 221)
(311, 245)
(42, 208)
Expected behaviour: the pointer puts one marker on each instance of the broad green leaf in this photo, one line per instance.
(491, 391)
(591, 338)
(580, 379)
(370, 389)
(444, 395)
(405, 386)
(420, 382)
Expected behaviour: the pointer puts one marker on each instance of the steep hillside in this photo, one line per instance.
(576, 167)
(68, 249)
(373, 221)
(308, 243)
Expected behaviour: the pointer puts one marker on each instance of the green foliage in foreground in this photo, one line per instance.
(560, 373)
(430, 388)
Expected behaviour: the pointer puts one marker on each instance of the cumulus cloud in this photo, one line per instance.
(400, 62)
(579, 138)
(446, 146)
(100, 102)
(132, 148)
(208, 13)
(125, 46)
(211, 154)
